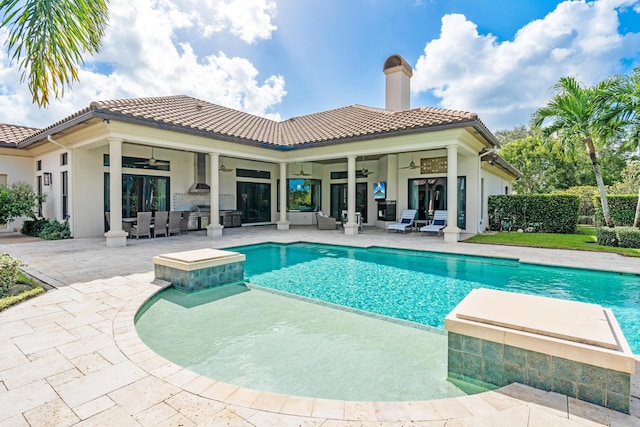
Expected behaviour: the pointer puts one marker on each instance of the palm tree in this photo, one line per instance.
(626, 102)
(577, 116)
(48, 39)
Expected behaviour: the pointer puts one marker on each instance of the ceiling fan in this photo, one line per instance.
(363, 171)
(222, 167)
(412, 165)
(152, 161)
(302, 172)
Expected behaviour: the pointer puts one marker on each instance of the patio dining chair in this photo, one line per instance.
(184, 221)
(142, 227)
(160, 223)
(406, 220)
(174, 222)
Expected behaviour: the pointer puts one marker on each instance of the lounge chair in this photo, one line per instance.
(174, 222)
(325, 222)
(142, 226)
(406, 220)
(160, 223)
(439, 222)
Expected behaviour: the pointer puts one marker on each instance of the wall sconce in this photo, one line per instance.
(46, 178)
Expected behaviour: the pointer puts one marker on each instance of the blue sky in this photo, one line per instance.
(285, 58)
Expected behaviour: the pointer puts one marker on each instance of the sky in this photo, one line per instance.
(286, 58)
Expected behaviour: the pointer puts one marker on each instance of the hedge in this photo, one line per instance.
(624, 237)
(622, 208)
(546, 213)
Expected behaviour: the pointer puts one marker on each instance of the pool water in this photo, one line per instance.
(269, 342)
(423, 287)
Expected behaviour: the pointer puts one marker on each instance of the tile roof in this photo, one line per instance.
(185, 113)
(11, 135)
(333, 125)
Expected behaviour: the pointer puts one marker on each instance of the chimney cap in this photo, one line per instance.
(394, 61)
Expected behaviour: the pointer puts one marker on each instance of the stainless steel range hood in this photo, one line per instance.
(200, 185)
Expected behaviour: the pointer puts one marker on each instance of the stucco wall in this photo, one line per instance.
(16, 169)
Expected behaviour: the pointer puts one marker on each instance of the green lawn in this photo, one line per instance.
(584, 240)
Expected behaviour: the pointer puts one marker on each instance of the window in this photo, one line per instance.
(139, 163)
(38, 165)
(248, 173)
(63, 159)
(39, 190)
(304, 195)
(64, 180)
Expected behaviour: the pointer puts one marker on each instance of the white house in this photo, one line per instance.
(182, 153)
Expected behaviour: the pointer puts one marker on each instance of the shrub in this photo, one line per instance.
(8, 271)
(547, 213)
(628, 237)
(46, 229)
(607, 236)
(33, 227)
(622, 208)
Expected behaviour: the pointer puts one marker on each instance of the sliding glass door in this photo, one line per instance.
(141, 193)
(430, 194)
(254, 200)
(339, 200)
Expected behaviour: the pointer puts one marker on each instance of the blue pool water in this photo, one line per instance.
(423, 287)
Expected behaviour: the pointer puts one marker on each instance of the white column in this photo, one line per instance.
(214, 229)
(351, 227)
(282, 223)
(116, 236)
(451, 231)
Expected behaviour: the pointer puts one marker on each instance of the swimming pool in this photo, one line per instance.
(248, 337)
(423, 287)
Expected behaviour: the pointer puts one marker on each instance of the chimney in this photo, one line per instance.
(398, 73)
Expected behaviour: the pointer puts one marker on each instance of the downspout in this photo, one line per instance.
(69, 177)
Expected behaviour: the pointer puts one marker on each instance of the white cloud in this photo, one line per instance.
(142, 56)
(505, 81)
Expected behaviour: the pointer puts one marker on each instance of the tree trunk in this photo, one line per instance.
(603, 193)
(636, 220)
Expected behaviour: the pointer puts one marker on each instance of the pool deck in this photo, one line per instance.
(72, 356)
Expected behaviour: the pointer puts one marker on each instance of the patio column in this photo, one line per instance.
(283, 224)
(351, 227)
(214, 229)
(451, 231)
(116, 236)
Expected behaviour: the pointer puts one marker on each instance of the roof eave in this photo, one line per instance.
(386, 134)
(57, 129)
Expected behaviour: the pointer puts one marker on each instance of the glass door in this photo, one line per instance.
(254, 200)
(427, 195)
(338, 202)
(140, 193)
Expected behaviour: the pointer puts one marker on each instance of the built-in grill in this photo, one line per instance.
(199, 217)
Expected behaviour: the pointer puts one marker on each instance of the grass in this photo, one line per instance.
(25, 288)
(584, 240)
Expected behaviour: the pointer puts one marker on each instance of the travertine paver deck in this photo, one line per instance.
(72, 356)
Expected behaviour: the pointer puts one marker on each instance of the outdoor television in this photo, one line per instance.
(379, 190)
